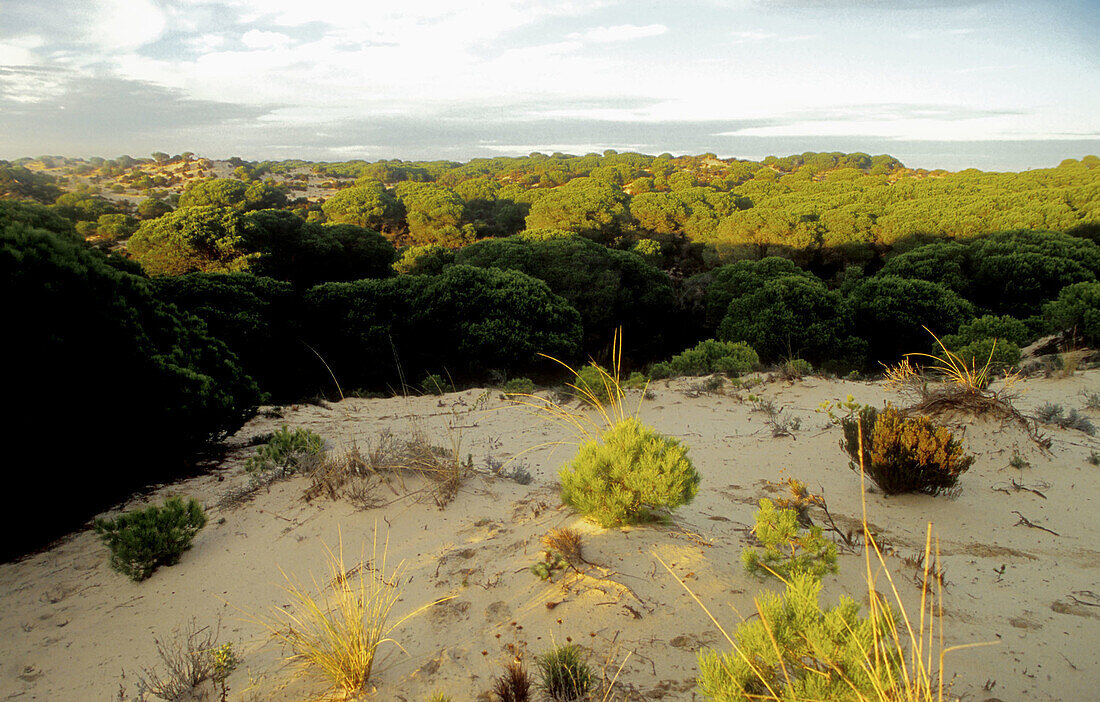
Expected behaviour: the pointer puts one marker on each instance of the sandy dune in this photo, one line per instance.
(69, 626)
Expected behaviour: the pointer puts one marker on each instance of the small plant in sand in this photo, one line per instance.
(565, 541)
(1050, 413)
(788, 547)
(624, 469)
(514, 685)
(794, 650)
(142, 540)
(1018, 462)
(334, 629)
(905, 454)
(1094, 458)
(563, 674)
(284, 453)
(629, 472)
(189, 657)
(549, 562)
(435, 384)
(519, 386)
(595, 386)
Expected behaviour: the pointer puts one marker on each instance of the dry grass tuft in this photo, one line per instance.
(958, 387)
(334, 630)
(567, 542)
(514, 685)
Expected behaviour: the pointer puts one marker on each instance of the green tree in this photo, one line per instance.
(587, 206)
(369, 205)
(123, 360)
(192, 239)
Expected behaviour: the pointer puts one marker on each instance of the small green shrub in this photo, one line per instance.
(712, 356)
(550, 563)
(519, 386)
(795, 368)
(1050, 413)
(435, 384)
(661, 370)
(563, 674)
(144, 539)
(285, 452)
(636, 381)
(905, 454)
(593, 385)
(1094, 458)
(788, 548)
(630, 471)
(1001, 354)
(795, 650)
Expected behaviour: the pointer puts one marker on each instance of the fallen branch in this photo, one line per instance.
(1028, 523)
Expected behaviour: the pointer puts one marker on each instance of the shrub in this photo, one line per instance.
(285, 452)
(142, 540)
(1077, 307)
(563, 674)
(796, 650)
(907, 454)
(1000, 354)
(661, 370)
(94, 333)
(1050, 413)
(795, 368)
(631, 470)
(594, 385)
(435, 384)
(519, 386)
(636, 381)
(793, 314)
(788, 548)
(712, 356)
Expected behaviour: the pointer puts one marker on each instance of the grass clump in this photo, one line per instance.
(334, 629)
(629, 471)
(435, 384)
(284, 453)
(788, 547)
(563, 674)
(513, 685)
(904, 454)
(142, 540)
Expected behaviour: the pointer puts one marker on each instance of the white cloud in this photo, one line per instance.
(620, 32)
(124, 24)
(256, 39)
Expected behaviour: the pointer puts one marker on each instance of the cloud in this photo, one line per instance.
(257, 39)
(619, 32)
(81, 112)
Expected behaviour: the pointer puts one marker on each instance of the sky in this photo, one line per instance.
(991, 84)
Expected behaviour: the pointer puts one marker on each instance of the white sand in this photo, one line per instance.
(69, 626)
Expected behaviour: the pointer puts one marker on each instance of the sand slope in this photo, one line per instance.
(69, 626)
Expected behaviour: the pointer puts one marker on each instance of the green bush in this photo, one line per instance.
(1001, 354)
(85, 328)
(795, 650)
(1078, 308)
(905, 454)
(661, 370)
(791, 314)
(593, 385)
(630, 471)
(435, 384)
(563, 674)
(519, 386)
(788, 548)
(711, 356)
(144, 539)
(285, 452)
